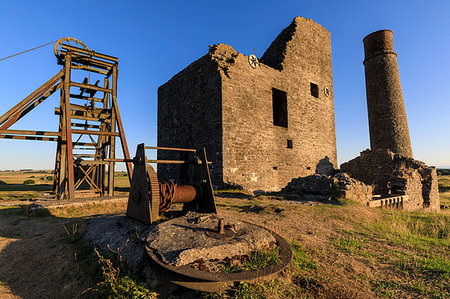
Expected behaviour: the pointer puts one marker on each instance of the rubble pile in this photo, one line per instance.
(325, 188)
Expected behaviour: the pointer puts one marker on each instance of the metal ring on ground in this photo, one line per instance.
(214, 281)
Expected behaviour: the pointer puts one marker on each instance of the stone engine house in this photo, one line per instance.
(262, 123)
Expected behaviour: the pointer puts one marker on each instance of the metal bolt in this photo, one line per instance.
(220, 227)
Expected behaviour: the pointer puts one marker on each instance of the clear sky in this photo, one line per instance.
(156, 39)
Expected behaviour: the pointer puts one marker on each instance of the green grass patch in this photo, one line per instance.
(301, 260)
(350, 243)
(262, 258)
(262, 290)
(385, 288)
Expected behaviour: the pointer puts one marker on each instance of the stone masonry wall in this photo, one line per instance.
(221, 102)
(190, 116)
(255, 152)
(390, 173)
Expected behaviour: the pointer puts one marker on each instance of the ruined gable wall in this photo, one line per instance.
(190, 116)
(255, 153)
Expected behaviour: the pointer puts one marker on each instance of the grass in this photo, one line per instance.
(112, 278)
(338, 251)
(261, 259)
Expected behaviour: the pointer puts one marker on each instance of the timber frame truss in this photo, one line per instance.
(89, 122)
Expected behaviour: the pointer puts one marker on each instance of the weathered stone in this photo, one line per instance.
(220, 102)
(324, 188)
(183, 240)
(392, 174)
(387, 116)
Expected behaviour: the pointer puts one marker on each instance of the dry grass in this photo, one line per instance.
(348, 251)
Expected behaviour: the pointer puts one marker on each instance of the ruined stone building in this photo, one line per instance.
(262, 123)
(389, 165)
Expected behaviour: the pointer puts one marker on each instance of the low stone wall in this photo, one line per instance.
(391, 174)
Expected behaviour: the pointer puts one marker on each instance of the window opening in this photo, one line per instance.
(314, 90)
(280, 113)
(289, 144)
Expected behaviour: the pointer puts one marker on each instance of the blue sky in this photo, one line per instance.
(156, 39)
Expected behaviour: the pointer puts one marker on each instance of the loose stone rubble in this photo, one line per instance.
(393, 174)
(326, 188)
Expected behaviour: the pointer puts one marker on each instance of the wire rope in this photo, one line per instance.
(28, 50)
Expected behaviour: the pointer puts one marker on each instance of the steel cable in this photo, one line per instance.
(28, 50)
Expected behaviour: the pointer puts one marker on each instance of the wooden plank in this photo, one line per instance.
(90, 53)
(171, 148)
(112, 141)
(89, 109)
(27, 108)
(90, 86)
(87, 162)
(24, 132)
(86, 126)
(34, 138)
(68, 128)
(115, 108)
(89, 69)
(34, 94)
(84, 115)
(77, 96)
(90, 132)
(91, 62)
(84, 144)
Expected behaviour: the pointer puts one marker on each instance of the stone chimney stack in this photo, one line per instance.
(387, 116)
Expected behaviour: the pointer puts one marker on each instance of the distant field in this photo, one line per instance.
(13, 186)
(444, 189)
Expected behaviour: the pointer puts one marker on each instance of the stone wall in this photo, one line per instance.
(190, 116)
(392, 174)
(256, 154)
(222, 102)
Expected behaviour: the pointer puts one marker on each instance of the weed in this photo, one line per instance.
(230, 269)
(117, 285)
(112, 278)
(350, 243)
(262, 258)
(385, 287)
(301, 260)
(272, 289)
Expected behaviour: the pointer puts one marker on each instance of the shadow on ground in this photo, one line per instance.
(22, 187)
(36, 260)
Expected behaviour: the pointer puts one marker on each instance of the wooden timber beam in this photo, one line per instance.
(100, 117)
(27, 108)
(24, 132)
(86, 126)
(34, 138)
(77, 96)
(89, 132)
(89, 53)
(90, 86)
(25, 102)
(89, 109)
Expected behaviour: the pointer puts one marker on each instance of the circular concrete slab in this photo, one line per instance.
(184, 240)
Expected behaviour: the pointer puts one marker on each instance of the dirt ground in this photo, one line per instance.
(342, 251)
